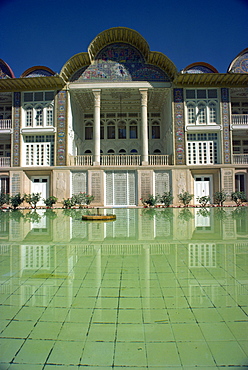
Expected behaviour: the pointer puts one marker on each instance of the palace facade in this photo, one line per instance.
(120, 122)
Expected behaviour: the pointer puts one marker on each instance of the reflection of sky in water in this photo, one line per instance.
(167, 286)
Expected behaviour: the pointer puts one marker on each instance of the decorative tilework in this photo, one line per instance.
(5, 71)
(199, 69)
(241, 64)
(16, 129)
(61, 128)
(118, 62)
(39, 73)
(179, 126)
(226, 124)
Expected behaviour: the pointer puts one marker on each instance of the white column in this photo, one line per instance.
(96, 128)
(144, 133)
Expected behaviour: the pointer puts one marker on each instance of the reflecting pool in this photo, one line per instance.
(155, 289)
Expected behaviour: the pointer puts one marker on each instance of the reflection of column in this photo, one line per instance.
(96, 129)
(147, 277)
(144, 133)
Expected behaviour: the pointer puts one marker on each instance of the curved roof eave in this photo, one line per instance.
(162, 61)
(235, 59)
(32, 69)
(76, 62)
(197, 64)
(8, 67)
(118, 34)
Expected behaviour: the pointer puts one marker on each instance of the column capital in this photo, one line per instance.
(97, 96)
(144, 95)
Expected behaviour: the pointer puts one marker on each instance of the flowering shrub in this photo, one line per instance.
(50, 201)
(150, 201)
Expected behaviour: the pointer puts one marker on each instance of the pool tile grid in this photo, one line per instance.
(123, 318)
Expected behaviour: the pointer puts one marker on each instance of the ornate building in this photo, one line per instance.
(120, 122)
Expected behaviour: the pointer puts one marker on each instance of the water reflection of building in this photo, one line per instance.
(40, 252)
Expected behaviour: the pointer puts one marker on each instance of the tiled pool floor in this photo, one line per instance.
(144, 310)
(124, 318)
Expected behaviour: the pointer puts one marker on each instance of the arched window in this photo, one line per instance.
(133, 130)
(87, 151)
(39, 116)
(49, 116)
(89, 131)
(202, 114)
(111, 151)
(101, 130)
(157, 151)
(133, 151)
(155, 130)
(122, 151)
(212, 113)
(111, 130)
(122, 134)
(191, 113)
(29, 117)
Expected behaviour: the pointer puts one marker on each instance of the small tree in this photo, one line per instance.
(238, 197)
(50, 201)
(203, 201)
(185, 197)
(4, 199)
(16, 200)
(220, 197)
(150, 201)
(32, 199)
(166, 198)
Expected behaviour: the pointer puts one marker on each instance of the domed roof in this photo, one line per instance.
(5, 70)
(116, 54)
(38, 71)
(240, 63)
(199, 67)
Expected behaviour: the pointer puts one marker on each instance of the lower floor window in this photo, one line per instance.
(202, 149)
(39, 151)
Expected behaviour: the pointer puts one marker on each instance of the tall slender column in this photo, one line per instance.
(144, 133)
(96, 128)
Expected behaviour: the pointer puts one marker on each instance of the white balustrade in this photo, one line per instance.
(240, 159)
(119, 160)
(158, 160)
(5, 124)
(4, 162)
(240, 119)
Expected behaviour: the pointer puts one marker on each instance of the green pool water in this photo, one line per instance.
(155, 289)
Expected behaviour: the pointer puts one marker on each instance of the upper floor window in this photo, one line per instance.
(111, 130)
(155, 130)
(89, 131)
(201, 107)
(38, 109)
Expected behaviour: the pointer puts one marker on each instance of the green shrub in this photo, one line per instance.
(4, 199)
(220, 197)
(16, 200)
(166, 198)
(203, 201)
(32, 199)
(238, 197)
(185, 197)
(150, 201)
(50, 201)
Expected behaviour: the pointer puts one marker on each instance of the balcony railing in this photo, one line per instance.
(80, 160)
(240, 159)
(240, 119)
(5, 124)
(4, 162)
(119, 160)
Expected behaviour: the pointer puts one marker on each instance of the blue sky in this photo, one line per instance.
(49, 32)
